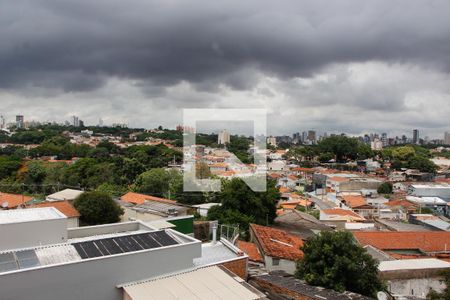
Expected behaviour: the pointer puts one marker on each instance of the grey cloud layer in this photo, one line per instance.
(60, 42)
(327, 61)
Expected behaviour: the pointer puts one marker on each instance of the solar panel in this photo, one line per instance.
(80, 250)
(91, 250)
(163, 238)
(123, 244)
(101, 247)
(112, 246)
(149, 241)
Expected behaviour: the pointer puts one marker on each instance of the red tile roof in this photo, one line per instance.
(403, 203)
(341, 212)
(277, 243)
(137, 198)
(338, 179)
(14, 200)
(428, 241)
(251, 250)
(354, 201)
(63, 206)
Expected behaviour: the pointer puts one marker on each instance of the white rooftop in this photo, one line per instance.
(67, 194)
(426, 200)
(413, 264)
(430, 186)
(215, 252)
(29, 215)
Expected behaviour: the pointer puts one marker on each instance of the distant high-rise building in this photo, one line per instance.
(19, 121)
(447, 138)
(415, 136)
(304, 136)
(271, 140)
(312, 135)
(75, 121)
(384, 139)
(223, 137)
(80, 123)
(2, 122)
(376, 144)
(100, 122)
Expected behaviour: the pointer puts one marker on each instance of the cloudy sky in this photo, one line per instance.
(352, 66)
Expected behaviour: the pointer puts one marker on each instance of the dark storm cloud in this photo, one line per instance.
(74, 44)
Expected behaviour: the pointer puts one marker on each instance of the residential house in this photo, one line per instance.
(64, 207)
(300, 224)
(11, 201)
(408, 244)
(279, 285)
(338, 217)
(413, 277)
(149, 208)
(39, 251)
(280, 250)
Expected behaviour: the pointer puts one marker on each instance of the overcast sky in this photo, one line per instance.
(335, 66)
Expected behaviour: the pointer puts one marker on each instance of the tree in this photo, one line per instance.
(97, 208)
(241, 205)
(333, 260)
(385, 188)
(341, 146)
(158, 182)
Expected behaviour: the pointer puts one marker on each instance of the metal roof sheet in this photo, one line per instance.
(205, 283)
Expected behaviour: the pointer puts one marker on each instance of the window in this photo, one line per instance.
(275, 261)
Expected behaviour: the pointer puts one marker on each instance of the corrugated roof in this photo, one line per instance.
(205, 283)
(413, 264)
(67, 194)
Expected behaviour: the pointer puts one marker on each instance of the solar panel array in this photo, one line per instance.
(123, 244)
(18, 260)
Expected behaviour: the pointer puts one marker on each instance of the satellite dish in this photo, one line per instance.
(5, 204)
(382, 296)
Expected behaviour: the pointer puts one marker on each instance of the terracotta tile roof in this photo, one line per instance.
(293, 177)
(251, 250)
(14, 200)
(341, 212)
(303, 170)
(137, 198)
(428, 241)
(338, 179)
(63, 206)
(283, 189)
(403, 203)
(274, 175)
(278, 243)
(354, 201)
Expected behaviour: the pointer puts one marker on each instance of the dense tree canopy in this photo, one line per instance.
(334, 260)
(240, 205)
(97, 208)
